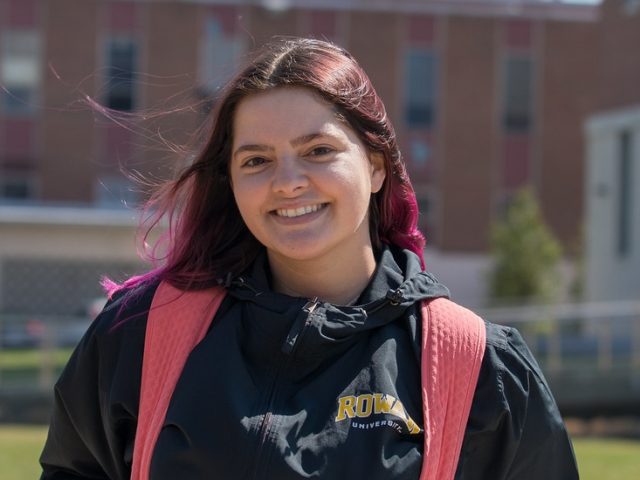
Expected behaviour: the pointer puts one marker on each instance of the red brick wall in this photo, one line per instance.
(467, 184)
(468, 104)
(568, 96)
(67, 158)
(172, 65)
(619, 60)
(262, 25)
(378, 53)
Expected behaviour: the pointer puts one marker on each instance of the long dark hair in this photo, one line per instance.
(206, 238)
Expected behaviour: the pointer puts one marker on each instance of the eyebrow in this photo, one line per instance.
(301, 140)
(252, 148)
(296, 142)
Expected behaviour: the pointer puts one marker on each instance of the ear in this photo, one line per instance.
(378, 171)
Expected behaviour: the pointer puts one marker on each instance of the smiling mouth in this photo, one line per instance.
(298, 212)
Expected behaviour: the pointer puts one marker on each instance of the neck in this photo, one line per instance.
(338, 281)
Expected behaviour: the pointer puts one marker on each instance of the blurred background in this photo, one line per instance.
(519, 121)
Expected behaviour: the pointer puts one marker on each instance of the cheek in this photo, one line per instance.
(249, 212)
(353, 180)
(245, 198)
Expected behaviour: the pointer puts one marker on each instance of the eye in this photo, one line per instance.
(253, 162)
(320, 151)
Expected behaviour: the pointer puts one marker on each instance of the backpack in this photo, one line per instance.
(453, 343)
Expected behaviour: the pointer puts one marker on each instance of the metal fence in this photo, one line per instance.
(589, 353)
(34, 349)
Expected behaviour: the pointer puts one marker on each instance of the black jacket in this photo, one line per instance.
(276, 392)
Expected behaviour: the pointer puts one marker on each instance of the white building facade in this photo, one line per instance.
(612, 220)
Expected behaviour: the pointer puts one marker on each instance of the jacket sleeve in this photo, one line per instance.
(95, 404)
(515, 431)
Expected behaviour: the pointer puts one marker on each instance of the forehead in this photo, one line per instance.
(287, 111)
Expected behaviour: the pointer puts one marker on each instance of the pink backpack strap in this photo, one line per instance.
(176, 323)
(453, 343)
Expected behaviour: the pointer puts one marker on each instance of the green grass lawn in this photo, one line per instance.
(598, 459)
(32, 358)
(20, 447)
(608, 459)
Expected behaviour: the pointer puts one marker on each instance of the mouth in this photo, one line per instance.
(300, 211)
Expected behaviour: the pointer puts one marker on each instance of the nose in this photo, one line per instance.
(289, 176)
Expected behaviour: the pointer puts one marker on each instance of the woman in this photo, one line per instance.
(298, 203)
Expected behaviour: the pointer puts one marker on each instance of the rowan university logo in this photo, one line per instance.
(376, 410)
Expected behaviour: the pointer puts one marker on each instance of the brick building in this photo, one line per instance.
(486, 96)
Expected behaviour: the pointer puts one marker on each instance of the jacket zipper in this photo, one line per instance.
(311, 305)
(298, 328)
(288, 348)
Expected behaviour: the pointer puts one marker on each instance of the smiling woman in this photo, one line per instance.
(291, 330)
(303, 182)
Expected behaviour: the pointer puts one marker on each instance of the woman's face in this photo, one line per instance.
(302, 179)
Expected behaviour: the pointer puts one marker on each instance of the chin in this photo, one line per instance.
(300, 251)
(296, 255)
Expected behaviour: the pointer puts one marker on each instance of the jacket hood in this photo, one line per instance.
(397, 284)
(399, 278)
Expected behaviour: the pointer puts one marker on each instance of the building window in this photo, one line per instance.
(420, 152)
(113, 191)
(427, 217)
(220, 53)
(420, 89)
(631, 7)
(121, 72)
(20, 73)
(517, 94)
(625, 195)
(15, 188)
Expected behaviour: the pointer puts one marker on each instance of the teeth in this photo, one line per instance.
(296, 212)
